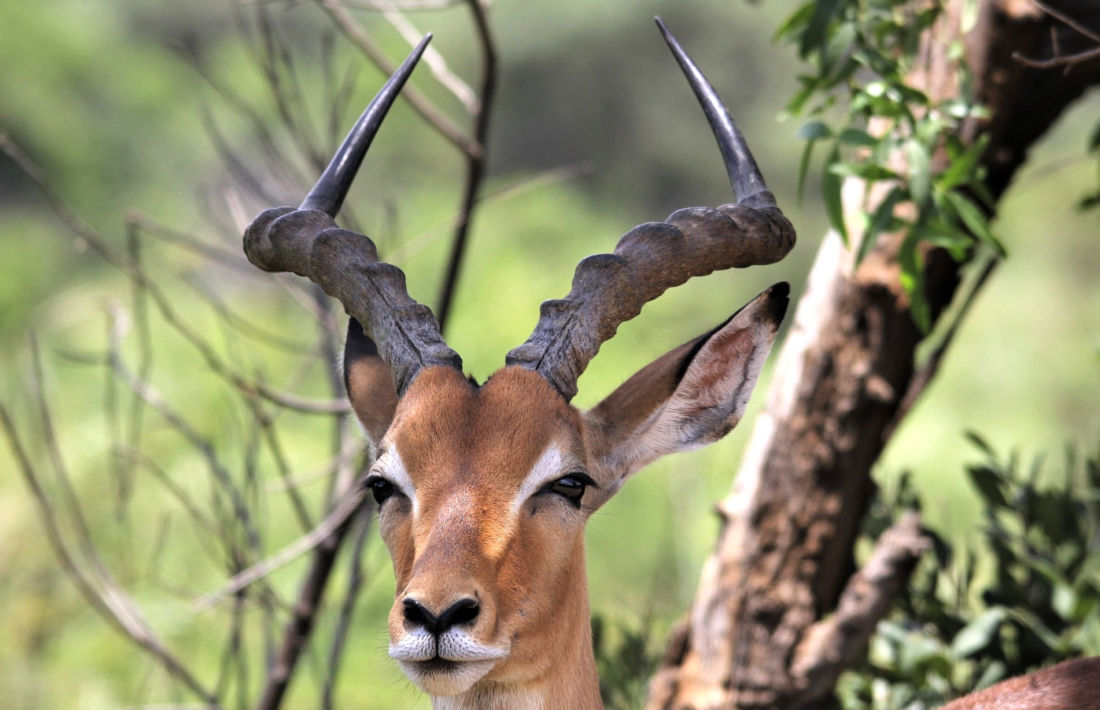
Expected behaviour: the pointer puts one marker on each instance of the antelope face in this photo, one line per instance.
(483, 495)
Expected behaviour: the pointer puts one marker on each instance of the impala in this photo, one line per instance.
(484, 490)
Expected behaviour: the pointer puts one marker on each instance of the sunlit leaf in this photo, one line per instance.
(978, 633)
(918, 167)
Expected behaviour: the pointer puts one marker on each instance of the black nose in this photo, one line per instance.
(461, 612)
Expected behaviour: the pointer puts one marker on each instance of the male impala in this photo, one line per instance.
(484, 490)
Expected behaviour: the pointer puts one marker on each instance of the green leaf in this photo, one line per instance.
(918, 165)
(974, 219)
(857, 137)
(814, 36)
(804, 166)
(797, 20)
(988, 482)
(868, 171)
(912, 280)
(837, 49)
(1031, 621)
(880, 221)
(978, 633)
(976, 439)
(992, 673)
(961, 170)
(813, 130)
(831, 183)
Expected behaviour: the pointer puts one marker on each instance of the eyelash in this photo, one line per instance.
(571, 487)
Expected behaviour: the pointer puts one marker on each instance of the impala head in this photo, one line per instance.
(484, 490)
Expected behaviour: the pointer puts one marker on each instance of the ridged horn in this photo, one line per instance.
(307, 242)
(609, 289)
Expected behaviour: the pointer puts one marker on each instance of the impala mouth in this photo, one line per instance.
(447, 665)
(438, 676)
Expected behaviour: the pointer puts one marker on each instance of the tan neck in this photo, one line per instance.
(568, 676)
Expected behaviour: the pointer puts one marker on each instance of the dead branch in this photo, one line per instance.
(352, 30)
(831, 646)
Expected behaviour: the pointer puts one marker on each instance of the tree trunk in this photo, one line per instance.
(766, 628)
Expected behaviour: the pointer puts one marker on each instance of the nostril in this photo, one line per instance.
(461, 612)
(416, 613)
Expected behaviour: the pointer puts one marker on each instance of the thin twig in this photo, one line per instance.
(1066, 60)
(305, 609)
(507, 191)
(1059, 59)
(163, 303)
(108, 600)
(403, 5)
(232, 259)
(475, 164)
(351, 29)
(1068, 21)
(927, 371)
(344, 509)
(433, 60)
(356, 580)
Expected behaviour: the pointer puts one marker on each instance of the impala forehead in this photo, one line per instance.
(507, 436)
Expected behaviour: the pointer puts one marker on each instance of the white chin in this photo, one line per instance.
(439, 677)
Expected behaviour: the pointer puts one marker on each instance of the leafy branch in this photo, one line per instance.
(921, 179)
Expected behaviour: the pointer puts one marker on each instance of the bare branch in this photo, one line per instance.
(327, 527)
(830, 646)
(99, 246)
(1065, 60)
(1059, 59)
(435, 61)
(1069, 21)
(403, 5)
(100, 591)
(354, 32)
(475, 162)
(307, 606)
(351, 595)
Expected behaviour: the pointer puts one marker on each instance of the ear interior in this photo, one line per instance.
(369, 383)
(691, 396)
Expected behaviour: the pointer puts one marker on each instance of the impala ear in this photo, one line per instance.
(369, 383)
(688, 397)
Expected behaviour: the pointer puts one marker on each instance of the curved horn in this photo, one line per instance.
(333, 185)
(745, 177)
(609, 289)
(307, 242)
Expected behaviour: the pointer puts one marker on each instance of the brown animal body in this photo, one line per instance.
(1072, 685)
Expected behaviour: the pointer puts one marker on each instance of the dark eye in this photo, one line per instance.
(570, 487)
(380, 488)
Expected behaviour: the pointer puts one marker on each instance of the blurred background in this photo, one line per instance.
(158, 126)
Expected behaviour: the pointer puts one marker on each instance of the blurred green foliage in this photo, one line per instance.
(104, 97)
(1024, 595)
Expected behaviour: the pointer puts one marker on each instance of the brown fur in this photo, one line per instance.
(1073, 685)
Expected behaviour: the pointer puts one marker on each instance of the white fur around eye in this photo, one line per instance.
(547, 468)
(390, 466)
